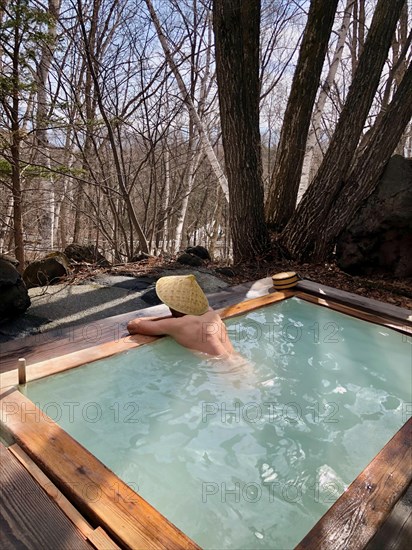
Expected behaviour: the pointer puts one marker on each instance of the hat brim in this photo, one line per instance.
(182, 293)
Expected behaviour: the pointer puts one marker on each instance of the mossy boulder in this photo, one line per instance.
(199, 251)
(378, 240)
(189, 259)
(14, 298)
(51, 269)
(226, 271)
(85, 253)
(9, 259)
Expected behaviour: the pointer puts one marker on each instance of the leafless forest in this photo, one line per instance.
(111, 134)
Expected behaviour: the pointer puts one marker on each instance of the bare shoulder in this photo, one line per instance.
(211, 315)
(196, 320)
(208, 317)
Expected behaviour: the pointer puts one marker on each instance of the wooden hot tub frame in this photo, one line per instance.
(104, 499)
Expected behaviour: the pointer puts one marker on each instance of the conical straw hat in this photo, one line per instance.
(183, 294)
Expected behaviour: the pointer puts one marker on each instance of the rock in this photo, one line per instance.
(14, 298)
(47, 271)
(61, 257)
(85, 253)
(189, 259)
(141, 257)
(9, 259)
(227, 271)
(199, 251)
(379, 238)
(8, 274)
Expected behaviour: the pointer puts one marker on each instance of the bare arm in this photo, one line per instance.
(152, 326)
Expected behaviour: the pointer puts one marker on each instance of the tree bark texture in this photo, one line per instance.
(236, 25)
(323, 95)
(365, 175)
(309, 220)
(286, 175)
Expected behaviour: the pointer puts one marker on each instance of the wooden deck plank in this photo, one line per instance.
(396, 532)
(357, 515)
(57, 496)
(97, 537)
(98, 493)
(29, 519)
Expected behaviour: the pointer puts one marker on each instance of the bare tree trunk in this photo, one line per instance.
(302, 232)
(68, 161)
(283, 190)
(15, 151)
(7, 223)
(192, 162)
(357, 39)
(47, 196)
(166, 198)
(90, 116)
(217, 169)
(17, 200)
(323, 95)
(354, 38)
(216, 221)
(368, 168)
(62, 228)
(361, 27)
(236, 24)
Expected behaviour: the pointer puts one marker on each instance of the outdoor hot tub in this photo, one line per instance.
(244, 453)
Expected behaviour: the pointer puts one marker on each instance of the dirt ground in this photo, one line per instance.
(385, 289)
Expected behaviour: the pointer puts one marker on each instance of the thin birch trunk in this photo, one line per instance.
(15, 147)
(208, 149)
(217, 219)
(189, 180)
(68, 161)
(320, 105)
(46, 225)
(166, 195)
(7, 223)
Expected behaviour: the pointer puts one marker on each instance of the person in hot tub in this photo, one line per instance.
(193, 323)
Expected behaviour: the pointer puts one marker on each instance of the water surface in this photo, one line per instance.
(248, 453)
